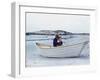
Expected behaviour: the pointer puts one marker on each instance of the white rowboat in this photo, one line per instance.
(73, 50)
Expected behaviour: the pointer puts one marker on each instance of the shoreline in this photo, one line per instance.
(60, 34)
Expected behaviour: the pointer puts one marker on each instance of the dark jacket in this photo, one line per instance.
(55, 43)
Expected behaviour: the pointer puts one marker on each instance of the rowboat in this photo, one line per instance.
(73, 50)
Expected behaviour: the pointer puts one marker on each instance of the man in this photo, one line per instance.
(57, 41)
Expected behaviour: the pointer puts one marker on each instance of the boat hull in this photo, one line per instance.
(63, 51)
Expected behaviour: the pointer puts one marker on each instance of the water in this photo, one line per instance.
(34, 59)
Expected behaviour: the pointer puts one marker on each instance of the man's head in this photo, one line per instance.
(57, 36)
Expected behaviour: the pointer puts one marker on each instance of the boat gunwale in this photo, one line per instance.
(51, 47)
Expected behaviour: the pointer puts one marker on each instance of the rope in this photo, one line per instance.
(84, 44)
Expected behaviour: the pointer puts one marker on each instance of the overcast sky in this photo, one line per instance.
(71, 23)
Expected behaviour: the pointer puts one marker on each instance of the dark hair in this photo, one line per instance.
(57, 36)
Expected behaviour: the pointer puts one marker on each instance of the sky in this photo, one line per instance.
(70, 23)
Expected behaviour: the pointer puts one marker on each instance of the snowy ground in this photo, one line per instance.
(34, 59)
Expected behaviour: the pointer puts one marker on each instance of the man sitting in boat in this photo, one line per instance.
(57, 41)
